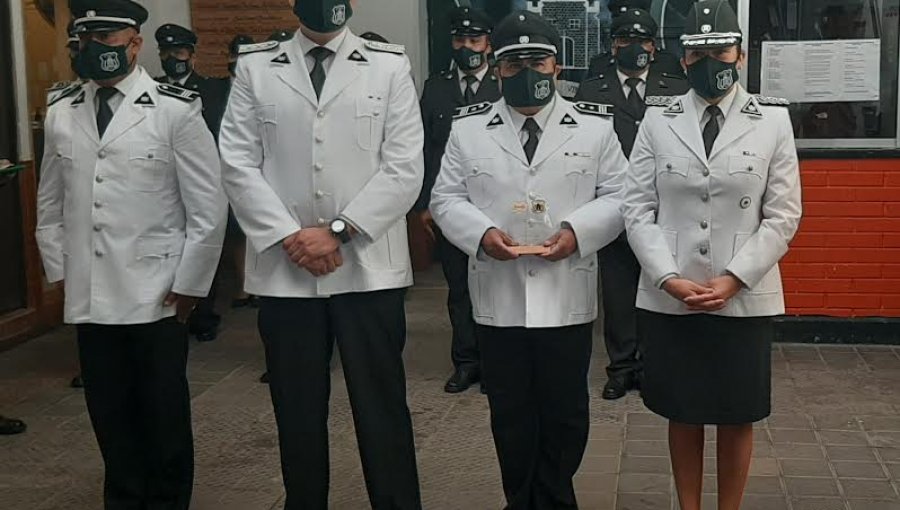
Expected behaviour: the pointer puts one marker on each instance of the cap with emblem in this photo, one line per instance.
(281, 35)
(238, 41)
(711, 24)
(619, 7)
(107, 15)
(524, 34)
(170, 35)
(634, 22)
(469, 21)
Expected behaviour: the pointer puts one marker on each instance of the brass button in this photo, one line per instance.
(319, 167)
(706, 172)
(704, 224)
(97, 228)
(668, 166)
(705, 197)
(97, 205)
(101, 154)
(704, 250)
(98, 253)
(320, 115)
(319, 139)
(98, 179)
(320, 194)
(532, 273)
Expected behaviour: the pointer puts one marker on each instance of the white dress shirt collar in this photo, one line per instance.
(725, 105)
(540, 117)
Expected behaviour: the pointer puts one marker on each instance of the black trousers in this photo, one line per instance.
(370, 328)
(455, 263)
(138, 399)
(619, 274)
(537, 384)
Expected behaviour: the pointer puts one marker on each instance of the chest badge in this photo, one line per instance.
(539, 207)
(745, 202)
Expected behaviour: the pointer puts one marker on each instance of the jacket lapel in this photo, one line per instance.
(85, 112)
(553, 136)
(343, 71)
(488, 90)
(290, 67)
(128, 114)
(683, 122)
(503, 132)
(738, 121)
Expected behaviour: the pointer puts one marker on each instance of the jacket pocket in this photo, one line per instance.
(583, 281)
(673, 166)
(369, 121)
(156, 260)
(480, 182)
(149, 167)
(267, 121)
(581, 178)
(748, 166)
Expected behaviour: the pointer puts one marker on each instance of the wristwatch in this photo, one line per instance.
(340, 231)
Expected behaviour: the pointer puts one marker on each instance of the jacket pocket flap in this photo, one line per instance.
(159, 247)
(157, 153)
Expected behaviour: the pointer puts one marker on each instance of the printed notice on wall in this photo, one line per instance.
(822, 71)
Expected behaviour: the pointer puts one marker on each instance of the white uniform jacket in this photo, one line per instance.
(577, 173)
(291, 161)
(734, 212)
(126, 218)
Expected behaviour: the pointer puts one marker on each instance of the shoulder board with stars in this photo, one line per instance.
(398, 49)
(60, 94)
(475, 109)
(659, 100)
(596, 109)
(245, 49)
(60, 85)
(772, 101)
(673, 76)
(177, 92)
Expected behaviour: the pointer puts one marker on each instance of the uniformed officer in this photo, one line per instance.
(530, 188)
(322, 151)
(177, 46)
(625, 87)
(131, 216)
(468, 82)
(712, 202)
(605, 63)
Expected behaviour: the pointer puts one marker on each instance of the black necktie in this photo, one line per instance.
(469, 95)
(532, 128)
(317, 75)
(104, 112)
(635, 101)
(711, 131)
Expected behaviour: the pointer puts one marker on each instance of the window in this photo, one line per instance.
(568, 53)
(574, 24)
(833, 120)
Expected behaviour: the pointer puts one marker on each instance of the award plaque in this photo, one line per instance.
(538, 226)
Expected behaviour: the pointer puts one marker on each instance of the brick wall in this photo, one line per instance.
(845, 261)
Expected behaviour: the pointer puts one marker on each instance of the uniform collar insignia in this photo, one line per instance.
(496, 121)
(145, 100)
(751, 108)
(568, 121)
(676, 108)
(356, 56)
(78, 100)
(282, 59)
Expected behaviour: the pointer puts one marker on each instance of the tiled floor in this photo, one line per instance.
(833, 441)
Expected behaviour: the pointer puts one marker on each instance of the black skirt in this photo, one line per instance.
(706, 369)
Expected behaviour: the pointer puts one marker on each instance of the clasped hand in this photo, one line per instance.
(711, 297)
(498, 245)
(314, 249)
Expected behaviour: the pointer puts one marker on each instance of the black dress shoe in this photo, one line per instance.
(264, 378)
(77, 382)
(9, 426)
(616, 388)
(207, 336)
(461, 380)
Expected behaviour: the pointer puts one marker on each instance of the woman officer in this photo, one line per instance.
(712, 201)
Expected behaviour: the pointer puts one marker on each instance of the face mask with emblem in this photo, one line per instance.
(323, 16)
(633, 57)
(176, 68)
(101, 62)
(468, 59)
(711, 78)
(529, 88)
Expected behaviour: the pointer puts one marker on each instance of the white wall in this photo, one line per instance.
(400, 22)
(161, 12)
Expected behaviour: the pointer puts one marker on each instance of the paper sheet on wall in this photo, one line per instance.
(822, 71)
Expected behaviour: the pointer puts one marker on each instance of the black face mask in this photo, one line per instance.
(176, 68)
(529, 88)
(232, 67)
(633, 57)
(468, 59)
(323, 16)
(101, 62)
(711, 78)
